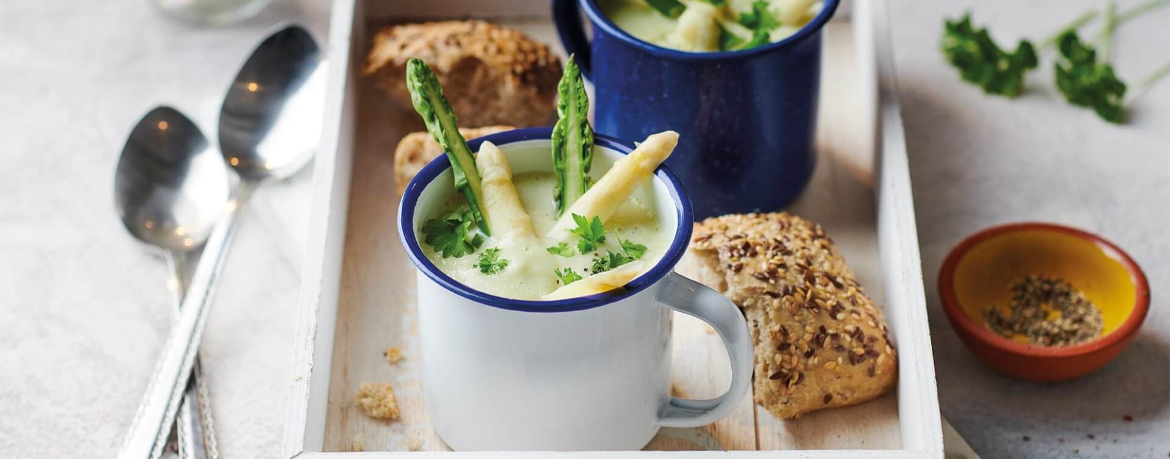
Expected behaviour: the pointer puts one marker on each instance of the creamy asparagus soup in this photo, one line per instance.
(710, 25)
(570, 230)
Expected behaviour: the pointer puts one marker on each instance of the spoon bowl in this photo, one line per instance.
(271, 118)
(170, 186)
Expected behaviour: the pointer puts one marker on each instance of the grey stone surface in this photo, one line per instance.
(978, 161)
(84, 309)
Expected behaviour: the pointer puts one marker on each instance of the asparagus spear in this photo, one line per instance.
(502, 206)
(529, 265)
(572, 139)
(427, 96)
(609, 193)
(598, 283)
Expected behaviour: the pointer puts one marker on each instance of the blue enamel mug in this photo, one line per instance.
(747, 118)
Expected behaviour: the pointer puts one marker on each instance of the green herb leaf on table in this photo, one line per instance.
(490, 261)
(451, 235)
(562, 249)
(591, 232)
(567, 276)
(981, 61)
(668, 8)
(1086, 82)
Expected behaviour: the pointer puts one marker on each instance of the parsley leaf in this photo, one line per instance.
(1087, 82)
(449, 234)
(759, 20)
(632, 250)
(490, 261)
(609, 261)
(759, 17)
(562, 249)
(668, 8)
(716, 2)
(980, 60)
(591, 232)
(567, 276)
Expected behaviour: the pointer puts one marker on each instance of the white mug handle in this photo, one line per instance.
(698, 300)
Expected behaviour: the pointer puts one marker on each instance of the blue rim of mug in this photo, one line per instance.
(406, 231)
(813, 26)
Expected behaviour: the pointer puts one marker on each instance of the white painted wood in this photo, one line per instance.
(358, 298)
(304, 426)
(918, 408)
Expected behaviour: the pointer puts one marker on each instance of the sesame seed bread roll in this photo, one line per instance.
(820, 342)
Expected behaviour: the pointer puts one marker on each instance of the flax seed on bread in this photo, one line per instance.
(820, 341)
(417, 149)
(491, 74)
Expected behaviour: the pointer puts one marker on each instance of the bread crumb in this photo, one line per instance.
(393, 355)
(414, 442)
(358, 444)
(377, 400)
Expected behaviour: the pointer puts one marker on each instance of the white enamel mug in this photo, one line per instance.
(588, 373)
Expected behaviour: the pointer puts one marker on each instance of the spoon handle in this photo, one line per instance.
(194, 428)
(152, 422)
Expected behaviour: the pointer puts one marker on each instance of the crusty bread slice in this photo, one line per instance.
(418, 148)
(820, 342)
(491, 74)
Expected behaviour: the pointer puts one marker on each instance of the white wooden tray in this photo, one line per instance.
(358, 296)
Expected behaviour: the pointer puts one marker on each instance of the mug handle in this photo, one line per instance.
(569, 27)
(698, 300)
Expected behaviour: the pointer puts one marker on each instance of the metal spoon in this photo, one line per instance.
(269, 126)
(170, 189)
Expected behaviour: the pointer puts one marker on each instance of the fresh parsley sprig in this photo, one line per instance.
(1085, 77)
(608, 261)
(630, 252)
(452, 234)
(567, 276)
(591, 232)
(490, 261)
(1082, 71)
(981, 61)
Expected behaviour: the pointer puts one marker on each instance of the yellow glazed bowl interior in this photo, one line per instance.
(984, 275)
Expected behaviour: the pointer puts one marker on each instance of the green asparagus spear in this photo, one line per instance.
(427, 96)
(572, 139)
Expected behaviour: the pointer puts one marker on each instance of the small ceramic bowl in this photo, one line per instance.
(978, 273)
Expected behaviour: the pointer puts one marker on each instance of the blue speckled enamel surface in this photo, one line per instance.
(746, 118)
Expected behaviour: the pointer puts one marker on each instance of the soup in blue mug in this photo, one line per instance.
(747, 114)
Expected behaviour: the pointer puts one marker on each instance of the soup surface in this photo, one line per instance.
(703, 27)
(531, 271)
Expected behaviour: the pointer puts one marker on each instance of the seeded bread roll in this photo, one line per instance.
(819, 340)
(490, 74)
(419, 148)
